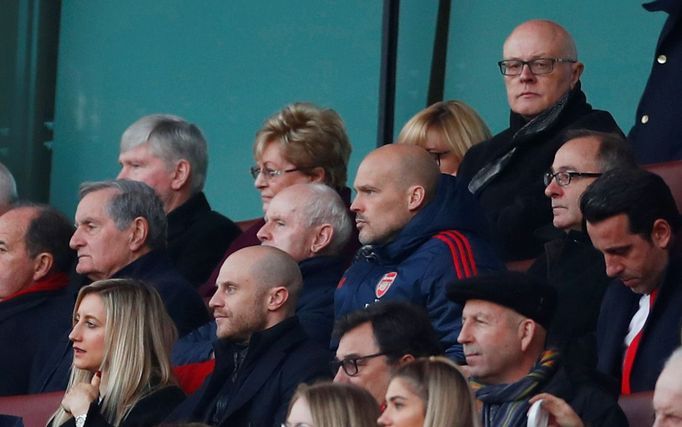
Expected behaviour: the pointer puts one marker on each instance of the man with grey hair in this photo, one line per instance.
(310, 222)
(8, 189)
(170, 155)
(121, 233)
(668, 393)
(541, 72)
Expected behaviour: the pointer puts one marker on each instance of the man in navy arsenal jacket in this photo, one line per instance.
(420, 234)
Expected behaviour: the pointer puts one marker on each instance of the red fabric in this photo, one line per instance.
(190, 377)
(53, 282)
(631, 352)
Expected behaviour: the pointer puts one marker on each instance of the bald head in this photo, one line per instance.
(8, 189)
(668, 392)
(529, 92)
(549, 32)
(393, 184)
(257, 289)
(406, 164)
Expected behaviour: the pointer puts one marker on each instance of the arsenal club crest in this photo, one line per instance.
(385, 283)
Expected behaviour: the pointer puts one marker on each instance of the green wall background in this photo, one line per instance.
(227, 65)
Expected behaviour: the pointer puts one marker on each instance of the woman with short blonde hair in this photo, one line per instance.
(121, 373)
(447, 130)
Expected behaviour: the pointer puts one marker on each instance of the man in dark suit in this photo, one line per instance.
(541, 73)
(633, 220)
(170, 155)
(35, 306)
(262, 352)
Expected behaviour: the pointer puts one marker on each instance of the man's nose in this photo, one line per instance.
(553, 189)
(613, 266)
(526, 73)
(341, 377)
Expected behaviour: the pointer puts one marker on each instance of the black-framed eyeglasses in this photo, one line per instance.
(563, 178)
(350, 364)
(270, 173)
(514, 67)
(437, 155)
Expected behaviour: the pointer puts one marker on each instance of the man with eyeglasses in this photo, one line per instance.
(633, 220)
(570, 263)
(375, 341)
(541, 73)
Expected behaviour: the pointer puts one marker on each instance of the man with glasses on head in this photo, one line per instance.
(375, 341)
(542, 76)
(570, 263)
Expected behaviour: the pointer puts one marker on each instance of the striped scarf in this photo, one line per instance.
(506, 405)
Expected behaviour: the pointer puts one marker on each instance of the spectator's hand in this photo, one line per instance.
(78, 398)
(560, 413)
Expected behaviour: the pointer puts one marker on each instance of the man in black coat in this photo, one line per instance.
(542, 77)
(504, 330)
(35, 306)
(570, 263)
(262, 353)
(170, 155)
(633, 220)
(121, 232)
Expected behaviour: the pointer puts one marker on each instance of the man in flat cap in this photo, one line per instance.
(504, 330)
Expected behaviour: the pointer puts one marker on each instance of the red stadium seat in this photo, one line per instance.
(671, 172)
(35, 409)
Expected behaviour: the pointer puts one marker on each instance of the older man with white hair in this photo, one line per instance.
(171, 155)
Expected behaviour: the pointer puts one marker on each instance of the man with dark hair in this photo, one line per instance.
(262, 353)
(35, 305)
(170, 155)
(570, 263)
(375, 341)
(541, 71)
(504, 331)
(633, 220)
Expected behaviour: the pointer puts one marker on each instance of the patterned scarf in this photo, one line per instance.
(536, 125)
(506, 405)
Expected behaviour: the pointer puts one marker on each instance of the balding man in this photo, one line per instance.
(419, 236)
(542, 77)
(668, 393)
(8, 189)
(262, 352)
(35, 305)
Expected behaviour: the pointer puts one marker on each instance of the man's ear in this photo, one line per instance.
(139, 231)
(661, 233)
(405, 358)
(526, 333)
(181, 174)
(42, 264)
(322, 239)
(277, 297)
(576, 72)
(417, 197)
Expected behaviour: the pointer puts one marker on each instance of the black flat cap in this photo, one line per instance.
(522, 293)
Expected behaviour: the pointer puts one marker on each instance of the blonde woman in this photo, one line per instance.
(121, 373)
(447, 130)
(331, 405)
(429, 392)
